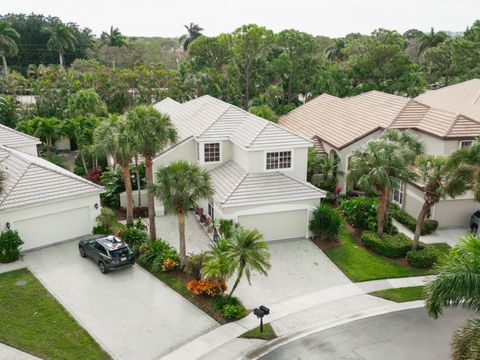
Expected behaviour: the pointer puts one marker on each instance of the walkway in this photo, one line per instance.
(10, 353)
(293, 317)
(450, 236)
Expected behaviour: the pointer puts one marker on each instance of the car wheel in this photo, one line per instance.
(102, 267)
(474, 230)
(82, 252)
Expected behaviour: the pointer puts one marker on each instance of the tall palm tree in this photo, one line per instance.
(248, 252)
(466, 169)
(431, 39)
(151, 132)
(112, 139)
(8, 44)
(180, 186)
(216, 265)
(113, 38)
(334, 52)
(433, 174)
(379, 166)
(62, 38)
(458, 284)
(193, 31)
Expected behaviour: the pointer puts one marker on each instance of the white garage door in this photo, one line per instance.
(277, 226)
(53, 228)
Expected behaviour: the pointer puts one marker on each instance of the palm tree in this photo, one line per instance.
(8, 44)
(193, 31)
(458, 285)
(112, 139)
(379, 166)
(62, 38)
(113, 38)
(248, 252)
(431, 39)
(151, 132)
(216, 265)
(334, 52)
(466, 169)
(180, 186)
(433, 174)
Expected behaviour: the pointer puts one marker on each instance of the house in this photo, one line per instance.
(445, 120)
(45, 203)
(257, 167)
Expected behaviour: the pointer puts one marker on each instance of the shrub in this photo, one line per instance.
(206, 287)
(193, 265)
(325, 223)
(423, 258)
(428, 227)
(220, 301)
(10, 246)
(393, 246)
(102, 230)
(169, 265)
(154, 253)
(134, 237)
(233, 312)
(106, 218)
(361, 213)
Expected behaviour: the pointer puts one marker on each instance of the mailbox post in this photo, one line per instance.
(260, 312)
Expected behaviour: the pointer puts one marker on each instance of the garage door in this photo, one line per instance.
(277, 226)
(53, 228)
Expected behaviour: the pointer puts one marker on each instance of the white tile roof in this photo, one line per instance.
(235, 186)
(30, 180)
(462, 98)
(13, 138)
(208, 118)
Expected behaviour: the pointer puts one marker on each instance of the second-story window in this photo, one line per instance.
(279, 160)
(211, 152)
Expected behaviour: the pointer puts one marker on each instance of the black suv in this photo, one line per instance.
(475, 222)
(108, 252)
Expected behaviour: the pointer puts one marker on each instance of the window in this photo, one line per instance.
(100, 248)
(465, 144)
(397, 195)
(211, 152)
(279, 160)
(211, 208)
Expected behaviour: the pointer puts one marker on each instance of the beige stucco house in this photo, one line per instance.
(45, 203)
(445, 120)
(258, 168)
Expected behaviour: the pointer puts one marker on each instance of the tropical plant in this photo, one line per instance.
(194, 31)
(150, 132)
(113, 38)
(111, 139)
(62, 38)
(431, 39)
(10, 246)
(323, 171)
(8, 44)
(325, 223)
(335, 52)
(458, 285)
(48, 130)
(465, 175)
(8, 111)
(86, 102)
(180, 186)
(216, 265)
(248, 252)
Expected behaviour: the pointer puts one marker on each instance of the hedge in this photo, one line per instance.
(428, 227)
(392, 246)
(423, 258)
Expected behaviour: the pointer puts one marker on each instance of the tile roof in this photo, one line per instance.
(13, 138)
(235, 186)
(208, 118)
(462, 98)
(30, 179)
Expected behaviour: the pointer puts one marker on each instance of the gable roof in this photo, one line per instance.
(462, 98)
(208, 118)
(30, 179)
(13, 138)
(234, 186)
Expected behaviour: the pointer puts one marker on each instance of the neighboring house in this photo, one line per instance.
(445, 120)
(257, 167)
(45, 203)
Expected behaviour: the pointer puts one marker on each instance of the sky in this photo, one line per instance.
(333, 18)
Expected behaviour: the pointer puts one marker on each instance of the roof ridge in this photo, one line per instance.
(16, 182)
(256, 136)
(20, 133)
(236, 186)
(214, 121)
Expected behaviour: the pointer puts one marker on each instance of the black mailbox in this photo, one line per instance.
(265, 310)
(258, 312)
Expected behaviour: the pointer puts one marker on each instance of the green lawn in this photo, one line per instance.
(401, 294)
(268, 333)
(360, 265)
(33, 321)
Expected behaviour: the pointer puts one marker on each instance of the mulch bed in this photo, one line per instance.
(325, 245)
(137, 212)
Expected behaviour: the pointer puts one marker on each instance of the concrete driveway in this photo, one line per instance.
(408, 334)
(130, 313)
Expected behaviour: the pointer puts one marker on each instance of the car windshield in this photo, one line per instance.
(120, 252)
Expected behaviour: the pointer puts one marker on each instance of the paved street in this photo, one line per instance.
(407, 334)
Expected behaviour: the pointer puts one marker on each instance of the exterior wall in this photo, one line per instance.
(241, 157)
(413, 200)
(63, 143)
(226, 153)
(48, 232)
(143, 198)
(455, 212)
(27, 149)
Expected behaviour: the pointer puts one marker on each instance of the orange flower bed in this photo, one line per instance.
(169, 265)
(206, 287)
